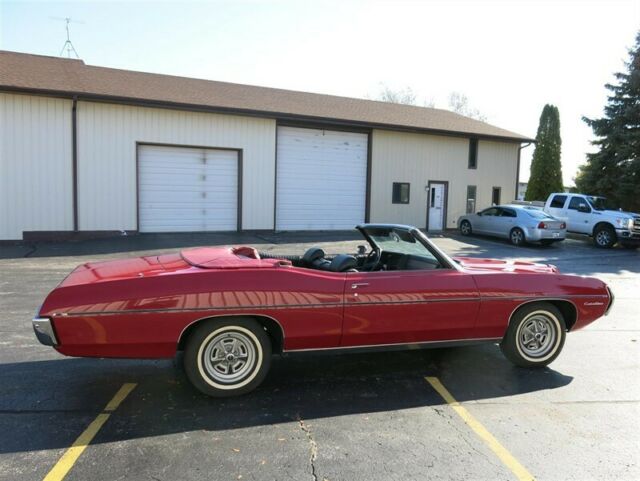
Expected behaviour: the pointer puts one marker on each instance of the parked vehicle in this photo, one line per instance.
(594, 216)
(231, 308)
(518, 223)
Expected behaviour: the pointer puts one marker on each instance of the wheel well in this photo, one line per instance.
(602, 224)
(566, 308)
(270, 325)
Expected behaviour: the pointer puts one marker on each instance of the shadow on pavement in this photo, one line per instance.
(46, 404)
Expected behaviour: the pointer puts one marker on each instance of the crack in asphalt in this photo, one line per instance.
(313, 446)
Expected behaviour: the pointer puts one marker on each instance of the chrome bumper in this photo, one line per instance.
(44, 331)
(611, 299)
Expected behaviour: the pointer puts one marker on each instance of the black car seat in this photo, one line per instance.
(343, 263)
(314, 258)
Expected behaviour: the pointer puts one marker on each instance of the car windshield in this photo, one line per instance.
(538, 214)
(601, 203)
(399, 241)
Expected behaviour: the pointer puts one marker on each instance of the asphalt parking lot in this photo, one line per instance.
(317, 417)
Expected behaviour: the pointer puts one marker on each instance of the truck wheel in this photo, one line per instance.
(227, 357)
(604, 236)
(535, 335)
(465, 227)
(516, 236)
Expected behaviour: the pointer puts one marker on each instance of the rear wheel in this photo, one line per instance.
(465, 227)
(516, 236)
(604, 236)
(227, 357)
(535, 336)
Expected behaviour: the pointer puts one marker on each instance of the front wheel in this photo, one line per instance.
(227, 357)
(535, 336)
(604, 237)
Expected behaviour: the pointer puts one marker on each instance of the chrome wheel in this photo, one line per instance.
(229, 357)
(603, 238)
(517, 237)
(537, 336)
(465, 228)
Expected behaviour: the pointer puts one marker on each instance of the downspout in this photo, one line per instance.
(518, 166)
(74, 160)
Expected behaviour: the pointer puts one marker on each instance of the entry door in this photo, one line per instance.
(437, 195)
(398, 307)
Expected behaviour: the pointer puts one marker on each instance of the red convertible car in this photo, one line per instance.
(231, 308)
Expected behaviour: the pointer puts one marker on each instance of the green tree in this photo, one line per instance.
(546, 170)
(614, 171)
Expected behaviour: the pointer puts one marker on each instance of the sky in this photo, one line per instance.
(509, 57)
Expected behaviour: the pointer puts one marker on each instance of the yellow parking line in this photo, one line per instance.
(71, 455)
(505, 456)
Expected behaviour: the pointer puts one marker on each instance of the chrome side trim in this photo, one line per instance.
(612, 298)
(399, 345)
(44, 331)
(542, 299)
(231, 315)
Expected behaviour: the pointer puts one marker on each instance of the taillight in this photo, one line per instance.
(542, 225)
(563, 226)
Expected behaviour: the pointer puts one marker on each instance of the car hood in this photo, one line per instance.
(494, 265)
(620, 213)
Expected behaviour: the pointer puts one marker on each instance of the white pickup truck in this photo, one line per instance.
(592, 216)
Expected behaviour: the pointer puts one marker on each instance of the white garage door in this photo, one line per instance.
(322, 179)
(187, 190)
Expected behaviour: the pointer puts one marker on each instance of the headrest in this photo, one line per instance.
(343, 262)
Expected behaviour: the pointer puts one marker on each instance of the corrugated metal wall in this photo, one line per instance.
(418, 158)
(107, 136)
(35, 165)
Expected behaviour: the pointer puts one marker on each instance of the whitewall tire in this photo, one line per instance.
(227, 357)
(535, 336)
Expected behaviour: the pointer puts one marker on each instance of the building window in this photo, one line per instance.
(495, 196)
(471, 199)
(401, 192)
(473, 153)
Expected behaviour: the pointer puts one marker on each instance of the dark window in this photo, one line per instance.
(576, 202)
(509, 213)
(400, 193)
(473, 153)
(491, 211)
(495, 196)
(471, 199)
(558, 201)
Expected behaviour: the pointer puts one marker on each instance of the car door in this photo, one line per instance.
(507, 221)
(399, 307)
(491, 220)
(579, 216)
(483, 222)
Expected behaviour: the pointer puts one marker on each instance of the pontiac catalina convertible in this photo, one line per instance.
(230, 308)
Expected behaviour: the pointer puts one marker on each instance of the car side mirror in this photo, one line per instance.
(478, 213)
(584, 208)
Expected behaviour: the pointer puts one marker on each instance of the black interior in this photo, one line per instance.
(375, 260)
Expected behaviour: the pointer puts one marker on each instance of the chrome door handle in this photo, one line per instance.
(355, 285)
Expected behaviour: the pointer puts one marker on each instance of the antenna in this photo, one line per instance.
(68, 46)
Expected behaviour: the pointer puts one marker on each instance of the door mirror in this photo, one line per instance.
(478, 213)
(584, 208)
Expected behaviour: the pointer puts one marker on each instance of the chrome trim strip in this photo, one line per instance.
(44, 331)
(542, 299)
(407, 345)
(612, 298)
(333, 304)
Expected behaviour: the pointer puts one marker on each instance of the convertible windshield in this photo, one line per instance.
(399, 242)
(601, 203)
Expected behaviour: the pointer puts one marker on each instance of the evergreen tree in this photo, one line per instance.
(546, 170)
(614, 171)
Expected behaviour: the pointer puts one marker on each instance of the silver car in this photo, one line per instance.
(517, 223)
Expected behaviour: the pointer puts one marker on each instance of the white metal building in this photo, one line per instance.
(89, 150)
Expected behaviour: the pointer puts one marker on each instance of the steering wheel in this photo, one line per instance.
(372, 260)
